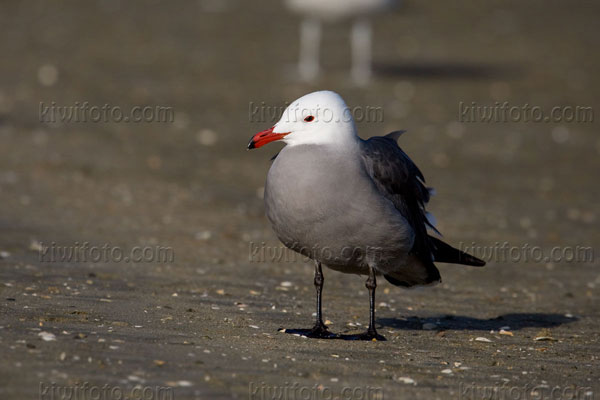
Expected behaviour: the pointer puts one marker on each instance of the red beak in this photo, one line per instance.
(264, 137)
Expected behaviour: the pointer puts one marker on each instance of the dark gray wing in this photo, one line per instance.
(400, 180)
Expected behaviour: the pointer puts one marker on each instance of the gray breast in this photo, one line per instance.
(322, 204)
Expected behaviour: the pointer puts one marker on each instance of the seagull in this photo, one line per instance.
(356, 206)
(316, 12)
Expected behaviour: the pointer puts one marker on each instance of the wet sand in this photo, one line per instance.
(204, 325)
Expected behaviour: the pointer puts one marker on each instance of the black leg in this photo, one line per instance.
(371, 333)
(319, 279)
(320, 330)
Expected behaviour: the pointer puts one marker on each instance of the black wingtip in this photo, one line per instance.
(468, 259)
(443, 252)
(395, 135)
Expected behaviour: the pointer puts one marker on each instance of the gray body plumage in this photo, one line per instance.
(353, 207)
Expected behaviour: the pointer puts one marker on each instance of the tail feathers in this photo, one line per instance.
(443, 252)
(402, 282)
(396, 282)
(416, 272)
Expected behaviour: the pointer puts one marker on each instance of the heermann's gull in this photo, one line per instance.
(356, 206)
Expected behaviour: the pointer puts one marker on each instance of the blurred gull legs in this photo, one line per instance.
(310, 38)
(316, 12)
(361, 52)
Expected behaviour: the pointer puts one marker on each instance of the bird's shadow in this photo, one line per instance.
(446, 70)
(460, 323)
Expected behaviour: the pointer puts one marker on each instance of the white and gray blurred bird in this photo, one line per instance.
(315, 12)
(354, 205)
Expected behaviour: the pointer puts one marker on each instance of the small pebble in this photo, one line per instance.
(206, 137)
(35, 246)
(543, 335)
(455, 129)
(560, 134)
(203, 235)
(543, 338)
(47, 336)
(47, 75)
(406, 380)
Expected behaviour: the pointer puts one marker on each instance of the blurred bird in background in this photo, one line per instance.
(316, 12)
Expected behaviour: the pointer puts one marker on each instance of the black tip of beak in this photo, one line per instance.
(251, 144)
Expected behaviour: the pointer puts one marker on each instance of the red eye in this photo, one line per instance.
(310, 118)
